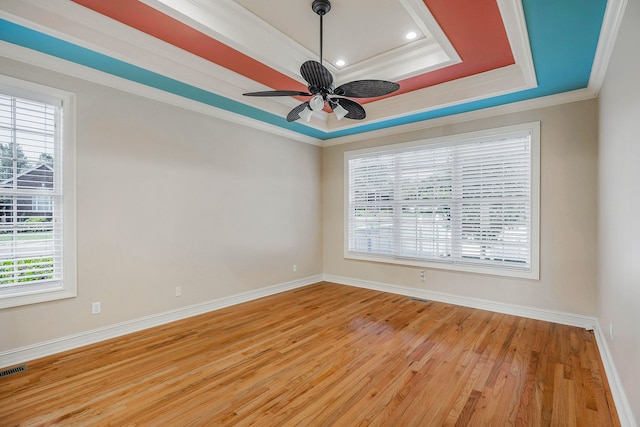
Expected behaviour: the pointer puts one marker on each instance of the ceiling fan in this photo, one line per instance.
(322, 89)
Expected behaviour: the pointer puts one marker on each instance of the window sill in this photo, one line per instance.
(16, 299)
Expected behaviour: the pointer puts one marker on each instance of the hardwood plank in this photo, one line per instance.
(324, 354)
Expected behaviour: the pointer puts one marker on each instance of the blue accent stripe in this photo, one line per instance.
(563, 35)
(25, 37)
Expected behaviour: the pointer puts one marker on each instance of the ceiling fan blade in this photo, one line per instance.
(277, 93)
(366, 88)
(316, 75)
(354, 110)
(295, 113)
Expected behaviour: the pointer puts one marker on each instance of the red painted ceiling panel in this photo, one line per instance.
(474, 27)
(153, 22)
(477, 33)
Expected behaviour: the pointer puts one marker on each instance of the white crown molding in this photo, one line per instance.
(235, 26)
(65, 67)
(413, 59)
(489, 84)
(513, 78)
(10, 51)
(46, 348)
(514, 107)
(509, 79)
(425, 21)
(515, 25)
(231, 24)
(91, 30)
(113, 39)
(45, 61)
(84, 27)
(608, 33)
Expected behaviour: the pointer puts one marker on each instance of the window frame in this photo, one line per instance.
(67, 287)
(533, 273)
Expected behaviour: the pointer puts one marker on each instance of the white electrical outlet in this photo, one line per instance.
(422, 275)
(178, 291)
(295, 268)
(96, 307)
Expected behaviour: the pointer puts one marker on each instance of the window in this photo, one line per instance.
(467, 202)
(37, 194)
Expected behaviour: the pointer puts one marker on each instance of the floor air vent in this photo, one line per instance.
(419, 299)
(11, 371)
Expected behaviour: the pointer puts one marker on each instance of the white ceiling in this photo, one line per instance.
(369, 35)
(354, 30)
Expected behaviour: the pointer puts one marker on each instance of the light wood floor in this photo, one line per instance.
(323, 355)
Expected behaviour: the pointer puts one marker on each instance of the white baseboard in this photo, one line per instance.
(617, 391)
(31, 352)
(591, 323)
(46, 348)
(498, 307)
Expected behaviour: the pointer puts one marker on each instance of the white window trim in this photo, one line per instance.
(68, 287)
(533, 273)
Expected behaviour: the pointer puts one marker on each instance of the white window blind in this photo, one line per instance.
(467, 203)
(31, 195)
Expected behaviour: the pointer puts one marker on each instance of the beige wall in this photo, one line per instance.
(568, 215)
(620, 205)
(166, 198)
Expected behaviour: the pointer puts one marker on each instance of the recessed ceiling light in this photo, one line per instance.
(341, 62)
(411, 35)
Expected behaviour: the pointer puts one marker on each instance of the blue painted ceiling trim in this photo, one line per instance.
(563, 35)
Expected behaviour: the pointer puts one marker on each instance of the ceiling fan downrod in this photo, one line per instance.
(321, 7)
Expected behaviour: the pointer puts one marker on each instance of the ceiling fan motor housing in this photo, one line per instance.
(321, 7)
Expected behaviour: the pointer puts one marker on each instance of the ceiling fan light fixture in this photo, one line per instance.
(306, 114)
(340, 111)
(317, 103)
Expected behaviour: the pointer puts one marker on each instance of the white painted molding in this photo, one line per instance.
(231, 24)
(114, 39)
(617, 391)
(608, 34)
(515, 24)
(429, 26)
(497, 307)
(83, 27)
(34, 351)
(38, 59)
(28, 56)
(237, 27)
(529, 104)
(492, 83)
(420, 57)
(31, 352)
